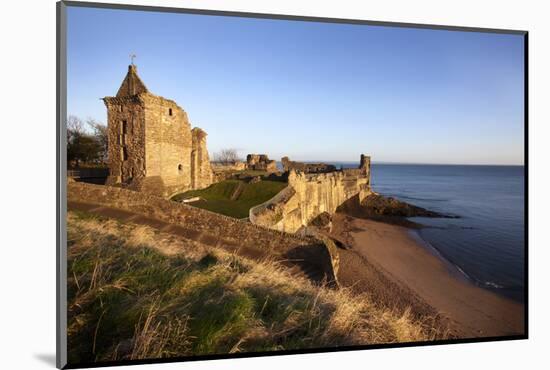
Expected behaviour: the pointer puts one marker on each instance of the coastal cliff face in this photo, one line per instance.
(309, 195)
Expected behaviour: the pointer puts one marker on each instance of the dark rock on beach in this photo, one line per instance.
(379, 205)
(324, 219)
(387, 209)
(323, 222)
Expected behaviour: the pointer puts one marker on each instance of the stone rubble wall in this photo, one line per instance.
(309, 195)
(224, 171)
(270, 213)
(168, 143)
(201, 171)
(260, 162)
(228, 167)
(289, 165)
(230, 229)
(129, 110)
(151, 145)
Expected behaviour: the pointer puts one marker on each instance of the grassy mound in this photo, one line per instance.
(134, 293)
(233, 198)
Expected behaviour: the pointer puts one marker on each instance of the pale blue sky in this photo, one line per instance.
(312, 91)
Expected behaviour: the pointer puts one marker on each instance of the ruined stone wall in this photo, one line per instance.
(223, 171)
(168, 144)
(306, 167)
(364, 165)
(228, 167)
(309, 195)
(313, 251)
(151, 145)
(201, 171)
(320, 193)
(260, 162)
(126, 137)
(228, 230)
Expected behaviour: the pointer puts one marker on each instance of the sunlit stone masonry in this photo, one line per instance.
(152, 147)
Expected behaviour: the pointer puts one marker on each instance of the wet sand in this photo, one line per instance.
(403, 259)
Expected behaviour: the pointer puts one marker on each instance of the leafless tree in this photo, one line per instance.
(226, 156)
(82, 147)
(75, 128)
(100, 133)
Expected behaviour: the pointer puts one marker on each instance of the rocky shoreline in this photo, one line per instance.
(389, 210)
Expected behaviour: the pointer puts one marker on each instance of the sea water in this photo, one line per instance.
(486, 243)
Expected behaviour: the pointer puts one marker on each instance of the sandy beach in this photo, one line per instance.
(394, 252)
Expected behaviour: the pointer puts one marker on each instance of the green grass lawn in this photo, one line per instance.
(217, 197)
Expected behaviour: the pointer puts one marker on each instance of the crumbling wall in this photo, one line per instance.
(309, 195)
(306, 167)
(168, 144)
(229, 229)
(228, 167)
(260, 162)
(223, 171)
(309, 252)
(201, 171)
(126, 138)
(151, 145)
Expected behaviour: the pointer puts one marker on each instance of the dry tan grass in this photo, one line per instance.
(201, 300)
(351, 317)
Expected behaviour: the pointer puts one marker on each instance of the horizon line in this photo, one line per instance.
(417, 163)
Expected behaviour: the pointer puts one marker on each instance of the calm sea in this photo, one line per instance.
(487, 242)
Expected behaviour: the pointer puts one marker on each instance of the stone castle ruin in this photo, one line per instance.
(254, 162)
(306, 167)
(152, 147)
(309, 195)
(260, 162)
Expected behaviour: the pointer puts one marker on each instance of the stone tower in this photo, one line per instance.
(152, 147)
(364, 165)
